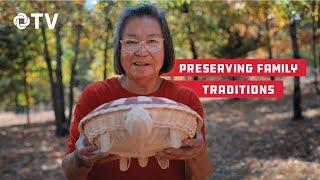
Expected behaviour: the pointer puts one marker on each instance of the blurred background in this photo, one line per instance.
(43, 72)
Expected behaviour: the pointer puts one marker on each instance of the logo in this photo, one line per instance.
(21, 21)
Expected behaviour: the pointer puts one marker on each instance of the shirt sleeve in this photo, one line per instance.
(83, 107)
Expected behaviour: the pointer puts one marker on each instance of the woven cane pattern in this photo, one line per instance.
(139, 127)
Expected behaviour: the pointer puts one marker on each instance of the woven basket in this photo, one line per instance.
(139, 127)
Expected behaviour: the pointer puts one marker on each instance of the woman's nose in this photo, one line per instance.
(142, 51)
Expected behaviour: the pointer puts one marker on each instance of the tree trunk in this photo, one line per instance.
(50, 73)
(297, 112)
(269, 47)
(105, 60)
(60, 131)
(185, 9)
(78, 29)
(109, 30)
(16, 102)
(61, 119)
(318, 25)
(314, 49)
(26, 90)
(56, 84)
(192, 48)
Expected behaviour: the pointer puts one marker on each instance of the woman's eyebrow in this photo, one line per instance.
(150, 35)
(131, 35)
(154, 35)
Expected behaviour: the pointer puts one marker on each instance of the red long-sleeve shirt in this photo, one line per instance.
(102, 92)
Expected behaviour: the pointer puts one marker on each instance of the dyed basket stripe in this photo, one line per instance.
(138, 100)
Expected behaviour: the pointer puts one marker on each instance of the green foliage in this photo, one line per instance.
(219, 29)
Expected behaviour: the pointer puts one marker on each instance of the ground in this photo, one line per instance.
(256, 139)
(247, 139)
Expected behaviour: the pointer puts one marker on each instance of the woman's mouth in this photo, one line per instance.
(140, 64)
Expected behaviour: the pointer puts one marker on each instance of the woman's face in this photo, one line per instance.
(142, 63)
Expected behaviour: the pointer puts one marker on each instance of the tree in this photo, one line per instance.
(297, 112)
(294, 11)
(76, 48)
(190, 34)
(55, 76)
(314, 44)
(108, 32)
(17, 51)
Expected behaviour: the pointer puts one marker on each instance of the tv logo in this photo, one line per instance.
(21, 21)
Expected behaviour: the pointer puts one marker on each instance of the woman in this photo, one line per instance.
(143, 50)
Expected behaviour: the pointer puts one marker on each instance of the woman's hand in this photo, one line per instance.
(198, 166)
(87, 154)
(78, 164)
(190, 149)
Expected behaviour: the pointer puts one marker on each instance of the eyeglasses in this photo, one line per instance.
(132, 45)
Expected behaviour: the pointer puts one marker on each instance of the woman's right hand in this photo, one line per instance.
(87, 154)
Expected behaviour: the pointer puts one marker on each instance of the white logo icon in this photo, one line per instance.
(21, 21)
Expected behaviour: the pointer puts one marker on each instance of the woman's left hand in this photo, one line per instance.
(191, 148)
